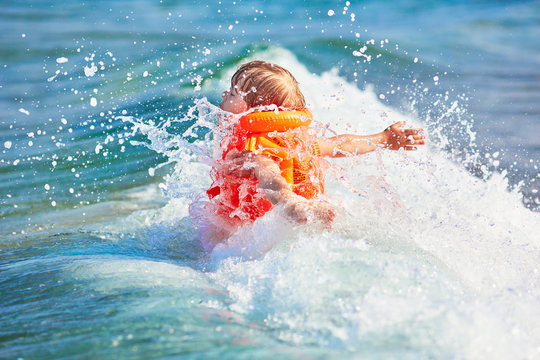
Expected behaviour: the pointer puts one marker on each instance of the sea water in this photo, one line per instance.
(108, 136)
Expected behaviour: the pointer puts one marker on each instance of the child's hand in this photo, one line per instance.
(324, 212)
(304, 210)
(396, 138)
(238, 163)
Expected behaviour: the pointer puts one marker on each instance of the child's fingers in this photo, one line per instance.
(412, 131)
(410, 148)
(415, 141)
(234, 154)
(415, 137)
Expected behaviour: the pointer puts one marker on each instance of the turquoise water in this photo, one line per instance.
(437, 257)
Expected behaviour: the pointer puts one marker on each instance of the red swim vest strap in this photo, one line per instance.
(213, 192)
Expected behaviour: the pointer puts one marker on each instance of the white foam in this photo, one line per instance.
(422, 252)
(111, 273)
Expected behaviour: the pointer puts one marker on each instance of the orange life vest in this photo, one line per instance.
(282, 136)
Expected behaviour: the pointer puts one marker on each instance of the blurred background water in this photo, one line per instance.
(95, 261)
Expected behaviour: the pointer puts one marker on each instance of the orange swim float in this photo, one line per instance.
(281, 121)
(282, 136)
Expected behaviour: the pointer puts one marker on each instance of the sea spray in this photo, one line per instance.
(423, 255)
(424, 261)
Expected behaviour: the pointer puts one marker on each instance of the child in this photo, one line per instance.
(270, 160)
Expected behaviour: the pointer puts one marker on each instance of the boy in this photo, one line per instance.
(250, 180)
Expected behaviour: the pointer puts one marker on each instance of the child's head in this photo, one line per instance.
(260, 83)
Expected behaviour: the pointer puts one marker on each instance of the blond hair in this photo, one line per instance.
(263, 83)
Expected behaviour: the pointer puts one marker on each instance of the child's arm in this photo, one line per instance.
(393, 138)
(278, 191)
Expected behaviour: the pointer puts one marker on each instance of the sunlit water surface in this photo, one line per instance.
(107, 138)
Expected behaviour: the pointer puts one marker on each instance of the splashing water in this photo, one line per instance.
(424, 260)
(422, 256)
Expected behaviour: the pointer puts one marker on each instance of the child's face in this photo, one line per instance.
(233, 101)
